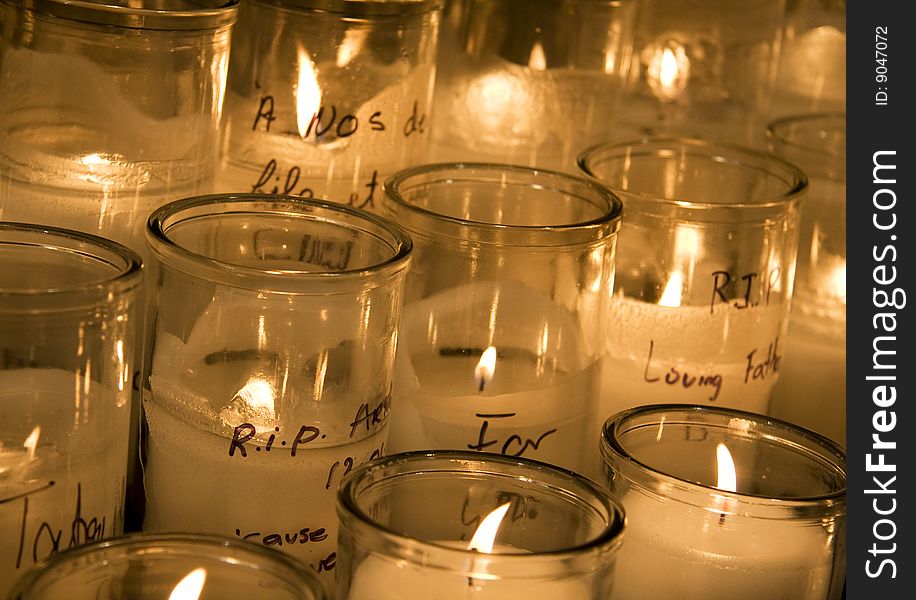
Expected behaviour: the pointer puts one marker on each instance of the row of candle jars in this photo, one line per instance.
(272, 366)
(698, 502)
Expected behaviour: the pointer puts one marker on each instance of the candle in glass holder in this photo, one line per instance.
(725, 504)
(111, 109)
(327, 98)
(812, 387)
(499, 348)
(462, 525)
(529, 81)
(66, 351)
(175, 566)
(271, 366)
(704, 271)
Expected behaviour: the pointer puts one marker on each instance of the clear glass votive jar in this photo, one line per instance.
(110, 109)
(68, 325)
(705, 268)
(725, 504)
(703, 68)
(812, 384)
(271, 365)
(503, 330)
(812, 62)
(328, 97)
(468, 525)
(529, 81)
(179, 566)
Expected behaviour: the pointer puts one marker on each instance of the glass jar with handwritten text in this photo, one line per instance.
(456, 525)
(271, 365)
(67, 337)
(503, 329)
(705, 269)
(177, 566)
(328, 97)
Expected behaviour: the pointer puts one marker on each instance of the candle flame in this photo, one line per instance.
(191, 586)
(727, 479)
(672, 294)
(308, 93)
(537, 60)
(258, 394)
(668, 70)
(31, 442)
(485, 536)
(486, 367)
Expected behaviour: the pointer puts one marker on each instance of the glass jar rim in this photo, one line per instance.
(795, 179)
(423, 461)
(828, 451)
(292, 570)
(778, 130)
(361, 8)
(534, 235)
(284, 280)
(125, 276)
(212, 14)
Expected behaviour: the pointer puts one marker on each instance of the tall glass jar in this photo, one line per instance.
(503, 331)
(272, 363)
(67, 336)
(705, 268)
(529, 81)
(110, 109)
(812, 385)
(328, 97)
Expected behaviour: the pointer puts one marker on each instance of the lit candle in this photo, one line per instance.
(724, 504)
(503, 322)
(812, 385)
(175, 566)
(505, 399)
(337, 104)
(60, 485)
(265, 389)
(516, 550)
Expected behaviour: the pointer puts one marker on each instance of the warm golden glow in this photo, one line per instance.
(308, 94)
(486, 367)
(671, 296)
(94, 160)
(485, 536)
(259, 395)
(352, 44)
(537, 60)
(836, 281)
(31, 442)
(191, 586)
(668, 71)
(727, 478)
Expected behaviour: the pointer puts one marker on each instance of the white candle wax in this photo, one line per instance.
(379, 578)
(535, 405)
(673, 550)
(71, 489)
(689, 354)
(236, 459)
